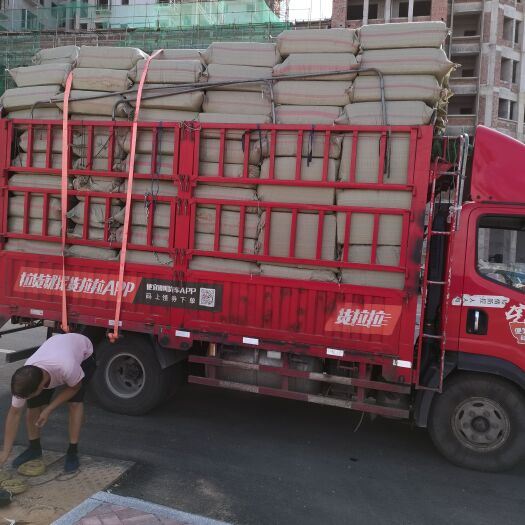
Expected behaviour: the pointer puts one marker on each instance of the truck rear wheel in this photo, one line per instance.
(478, 422)
(129, 379)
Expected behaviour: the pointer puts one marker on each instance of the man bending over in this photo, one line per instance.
(64, 360)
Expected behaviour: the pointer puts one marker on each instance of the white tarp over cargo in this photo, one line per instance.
(104, 57)
(243, 54)
(318, 41)
(43, 75)
(403, 35)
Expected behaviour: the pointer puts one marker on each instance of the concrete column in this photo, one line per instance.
(388, 9)
(339, 13)
(365, 11)
(521, 86)
(491, 109)
(410, 10)
(439, 10)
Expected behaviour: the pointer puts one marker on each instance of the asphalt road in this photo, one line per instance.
(256, 461)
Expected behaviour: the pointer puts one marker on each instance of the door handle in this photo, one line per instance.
(477, 322)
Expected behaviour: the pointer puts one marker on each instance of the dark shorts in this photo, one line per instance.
(88, 366)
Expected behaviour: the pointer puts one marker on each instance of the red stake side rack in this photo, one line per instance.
(289, 316)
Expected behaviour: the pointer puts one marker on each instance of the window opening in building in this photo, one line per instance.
(462, 105)
(505, 73)
(84, 11)
(403, 9)
(466, 25)
(373, 10)
(513, 108)
(515, 71)
(503, 108)
(517, 32)
(354, 10)
(508, 28)
(507, 109)
(125, 2)
(469, 66)
(422, 8)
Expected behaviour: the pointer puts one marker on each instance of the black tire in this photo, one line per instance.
(129, 379)
(478, 422)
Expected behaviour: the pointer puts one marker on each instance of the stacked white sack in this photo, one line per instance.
(113, 75)
(37, 83)
(314, 52)
(102, 70)
(414, 65)
(79, 145)
(171, 71)
(316, 100)
(232, 103)
(169, 74)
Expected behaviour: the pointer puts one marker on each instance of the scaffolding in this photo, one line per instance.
(101, 15)
(15, 50)
(147, 26)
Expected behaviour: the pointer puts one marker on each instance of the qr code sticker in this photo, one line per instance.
(207, 297)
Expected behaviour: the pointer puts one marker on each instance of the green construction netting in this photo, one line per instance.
(162, 15)
(150, 27)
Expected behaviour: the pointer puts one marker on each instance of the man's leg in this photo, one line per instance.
(34, 408)
(76, 418)
(32, 415)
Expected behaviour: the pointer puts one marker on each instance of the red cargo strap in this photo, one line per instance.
(63, 202)
(114, 336)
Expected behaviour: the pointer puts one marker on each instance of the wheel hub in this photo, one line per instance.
(481, 424)
(125, 375)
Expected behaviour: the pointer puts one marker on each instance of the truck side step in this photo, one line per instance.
(312, 376)
(299, 396)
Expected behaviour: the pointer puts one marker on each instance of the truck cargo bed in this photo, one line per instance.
(213, 257)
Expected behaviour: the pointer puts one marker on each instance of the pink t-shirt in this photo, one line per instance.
(60, 356)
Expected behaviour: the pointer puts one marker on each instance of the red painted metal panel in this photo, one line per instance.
(498, 167)
(307, 316)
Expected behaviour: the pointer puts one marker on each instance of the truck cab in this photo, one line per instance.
(477, 420)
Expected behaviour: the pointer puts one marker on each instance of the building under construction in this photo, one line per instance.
(487, 40)
(29, 25)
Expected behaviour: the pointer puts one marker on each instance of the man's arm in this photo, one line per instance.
(12, 423)
(65, 395)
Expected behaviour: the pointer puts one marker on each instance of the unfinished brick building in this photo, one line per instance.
(487, 40)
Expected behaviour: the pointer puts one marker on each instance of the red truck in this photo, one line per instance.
(443, 349)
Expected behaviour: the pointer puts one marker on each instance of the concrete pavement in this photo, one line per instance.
(105, 508)
(249, 460)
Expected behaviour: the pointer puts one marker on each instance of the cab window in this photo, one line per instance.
(501, 250)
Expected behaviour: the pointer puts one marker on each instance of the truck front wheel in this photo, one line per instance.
(478, 422)
(129, 379)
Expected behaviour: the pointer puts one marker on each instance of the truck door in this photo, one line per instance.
(492, 321)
